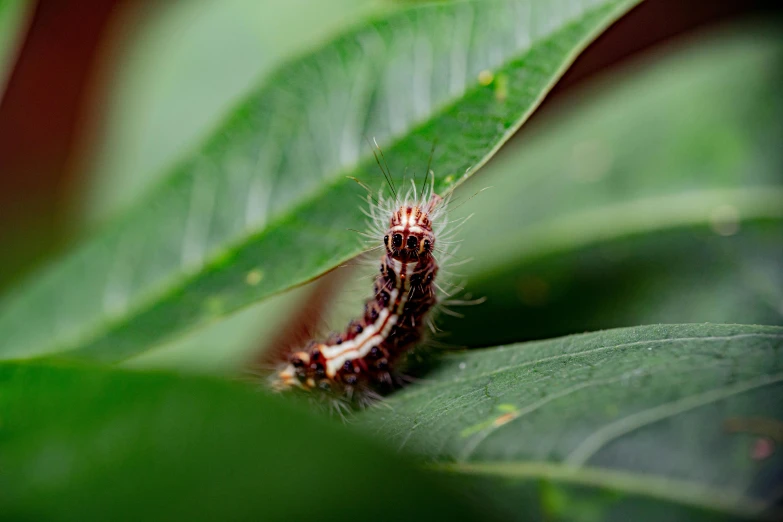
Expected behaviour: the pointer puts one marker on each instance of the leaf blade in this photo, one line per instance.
(179, 73)
(163, 268)
(661, 402)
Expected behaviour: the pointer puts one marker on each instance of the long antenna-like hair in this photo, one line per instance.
(386, 172)
(429, 164)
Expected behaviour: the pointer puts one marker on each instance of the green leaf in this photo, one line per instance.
(657, 193)
(173, 79)
(683, 137)
(226, 347)
(668, 412)
(265, 204)
(14, 15)
(92, 444)
(180, 71)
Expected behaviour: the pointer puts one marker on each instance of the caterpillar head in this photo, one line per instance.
(409, 236)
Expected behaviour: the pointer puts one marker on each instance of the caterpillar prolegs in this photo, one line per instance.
(361, 362)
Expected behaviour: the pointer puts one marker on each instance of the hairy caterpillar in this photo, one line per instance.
(361, 362)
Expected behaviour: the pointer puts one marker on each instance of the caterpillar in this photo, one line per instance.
(360, 363)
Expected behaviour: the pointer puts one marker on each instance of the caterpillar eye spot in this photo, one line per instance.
(412, 242)
(397, 240)
(385, 240)
(427, 245)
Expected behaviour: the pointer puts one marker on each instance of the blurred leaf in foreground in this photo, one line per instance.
(91, 444)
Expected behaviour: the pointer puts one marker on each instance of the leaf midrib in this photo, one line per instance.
(668, 489)
(609, 432)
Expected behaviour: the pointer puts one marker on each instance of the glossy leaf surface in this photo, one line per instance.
(671, 411)
(264, 204)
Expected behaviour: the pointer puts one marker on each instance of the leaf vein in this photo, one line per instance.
(593, 443)
(407, 396)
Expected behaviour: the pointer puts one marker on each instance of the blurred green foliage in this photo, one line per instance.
(13, 20)
(95, 444)
(657, 197)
